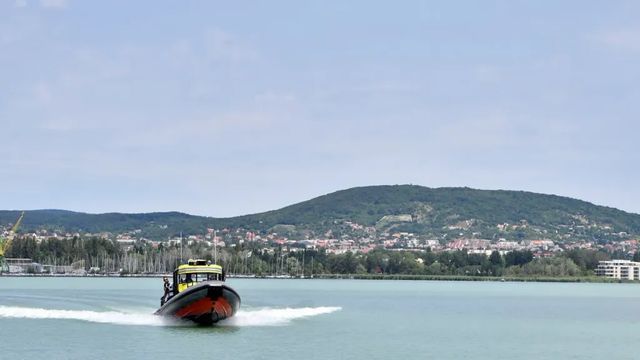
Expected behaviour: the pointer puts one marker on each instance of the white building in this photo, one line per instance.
(619, 269)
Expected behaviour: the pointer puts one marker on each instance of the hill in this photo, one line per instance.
(429, 212)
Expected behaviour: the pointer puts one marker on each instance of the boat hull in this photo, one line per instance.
(205, 303)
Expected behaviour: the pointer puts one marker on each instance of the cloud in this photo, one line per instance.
(624, 39)
(42, 93)
(20, 3)
(54, 4)
(220, 45)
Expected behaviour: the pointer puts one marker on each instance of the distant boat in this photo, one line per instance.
(199, 294)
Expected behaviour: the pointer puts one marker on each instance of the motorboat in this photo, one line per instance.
(199, 294)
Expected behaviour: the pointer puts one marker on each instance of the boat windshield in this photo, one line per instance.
(197, 277)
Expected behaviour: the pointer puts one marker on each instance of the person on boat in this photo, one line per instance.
(167, 291)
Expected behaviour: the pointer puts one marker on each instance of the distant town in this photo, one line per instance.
(131, 253)
(405, 241)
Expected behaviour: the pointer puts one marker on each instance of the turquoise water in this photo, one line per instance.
(109, 318)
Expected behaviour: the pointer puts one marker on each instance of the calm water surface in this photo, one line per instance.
(80, 318)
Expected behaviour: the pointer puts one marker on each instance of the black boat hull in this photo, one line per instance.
(205, 303)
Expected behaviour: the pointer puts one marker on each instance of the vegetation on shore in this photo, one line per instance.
(586, 279)
(104, 256)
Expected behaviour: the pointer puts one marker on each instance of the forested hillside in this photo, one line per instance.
(429, 212)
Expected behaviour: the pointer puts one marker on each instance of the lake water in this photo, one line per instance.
(110, 318)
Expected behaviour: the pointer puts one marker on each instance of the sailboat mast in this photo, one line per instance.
(215, 247)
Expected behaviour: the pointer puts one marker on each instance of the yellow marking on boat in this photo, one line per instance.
(212, 269)
(196, 271)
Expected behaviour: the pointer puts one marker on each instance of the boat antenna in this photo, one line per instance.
(181, 247)
(215, 247)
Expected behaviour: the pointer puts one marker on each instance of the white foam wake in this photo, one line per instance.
(259, 317)
(275, 317)
(105, 317)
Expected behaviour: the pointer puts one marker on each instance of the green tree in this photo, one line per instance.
(496, 259)
(554, 266)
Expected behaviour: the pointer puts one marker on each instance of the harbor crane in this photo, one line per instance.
(5, 242)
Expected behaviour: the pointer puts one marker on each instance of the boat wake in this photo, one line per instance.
(105, 317)
(275, 317)
(258, 317)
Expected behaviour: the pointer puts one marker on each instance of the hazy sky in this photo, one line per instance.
(224, 108)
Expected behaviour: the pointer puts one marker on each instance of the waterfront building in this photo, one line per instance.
(23, 265)
(619, 269)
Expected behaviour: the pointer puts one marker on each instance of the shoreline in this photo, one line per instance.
(406, 277)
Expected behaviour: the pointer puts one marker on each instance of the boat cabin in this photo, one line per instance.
(195, 272)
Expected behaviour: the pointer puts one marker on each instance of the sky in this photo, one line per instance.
(224, 108)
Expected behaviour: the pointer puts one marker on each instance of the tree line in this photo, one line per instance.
(105, 256)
